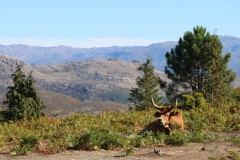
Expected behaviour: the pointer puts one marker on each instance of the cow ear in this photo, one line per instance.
(173, 114)
(157, 114)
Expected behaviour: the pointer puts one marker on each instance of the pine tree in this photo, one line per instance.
(197, 65)
(22, 99)
(147, 86)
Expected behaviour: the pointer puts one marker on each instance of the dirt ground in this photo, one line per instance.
(191, 151)
(196, 151)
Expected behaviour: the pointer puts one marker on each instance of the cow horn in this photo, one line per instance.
(176, 102)
(157, 107)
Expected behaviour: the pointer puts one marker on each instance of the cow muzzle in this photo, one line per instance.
(160, 121)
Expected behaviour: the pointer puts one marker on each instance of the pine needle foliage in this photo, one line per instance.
(197, 65)
(147, 85)
(22, 99)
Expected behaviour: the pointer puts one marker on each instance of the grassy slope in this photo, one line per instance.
(111, 130)
(61, 104)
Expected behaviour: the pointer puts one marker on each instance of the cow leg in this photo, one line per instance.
(167, 130)
(171, 126)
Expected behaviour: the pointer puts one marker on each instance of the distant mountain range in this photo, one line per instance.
(63, 54)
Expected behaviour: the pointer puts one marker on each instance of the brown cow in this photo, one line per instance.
(168, 117)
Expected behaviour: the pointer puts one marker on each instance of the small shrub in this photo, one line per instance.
(178, 138)
(26, 144)
(129, 151)
(235, 141)
(147, 139)
(91, 140)
(111, 141)
(234, 155)
(83, 142)
(193, 101)
(136, 141)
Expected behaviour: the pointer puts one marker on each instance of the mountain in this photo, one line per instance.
(89, 81)
(63, 54)
(232, 44)
(106, 80)
(105, 73)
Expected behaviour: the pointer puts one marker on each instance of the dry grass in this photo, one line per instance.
(59, 104)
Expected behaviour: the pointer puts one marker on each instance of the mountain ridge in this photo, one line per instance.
(63, 54)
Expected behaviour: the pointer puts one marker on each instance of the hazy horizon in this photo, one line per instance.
(92, 23)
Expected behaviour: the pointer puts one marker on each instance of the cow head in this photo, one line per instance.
(165, 111)
(166, 116)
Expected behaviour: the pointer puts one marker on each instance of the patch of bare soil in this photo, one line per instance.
(196, 151)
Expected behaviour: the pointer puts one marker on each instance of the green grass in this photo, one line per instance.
(111, 130)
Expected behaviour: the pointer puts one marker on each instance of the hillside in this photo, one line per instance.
(56, 104)
(59, 104)
(7, 67)
(92, 80)
(106, 80)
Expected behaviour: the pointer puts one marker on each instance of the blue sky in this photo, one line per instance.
(102, 23)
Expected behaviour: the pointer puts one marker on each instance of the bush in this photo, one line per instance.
(178, 138)
(83, 142)
(26, 144)
(193, 101)
(93, 140)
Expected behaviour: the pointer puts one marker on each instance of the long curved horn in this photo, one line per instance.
(176, 102)
(157, 107)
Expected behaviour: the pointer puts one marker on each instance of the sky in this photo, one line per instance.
(104, 23)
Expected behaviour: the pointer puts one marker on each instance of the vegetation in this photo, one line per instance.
(22, 99)
(196, 64)
(236, 94)
(117, 94)
(189, 102)
(231, 155)
(110, 130)
(147, 86)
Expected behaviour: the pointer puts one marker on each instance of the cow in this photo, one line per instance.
(167, 117)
